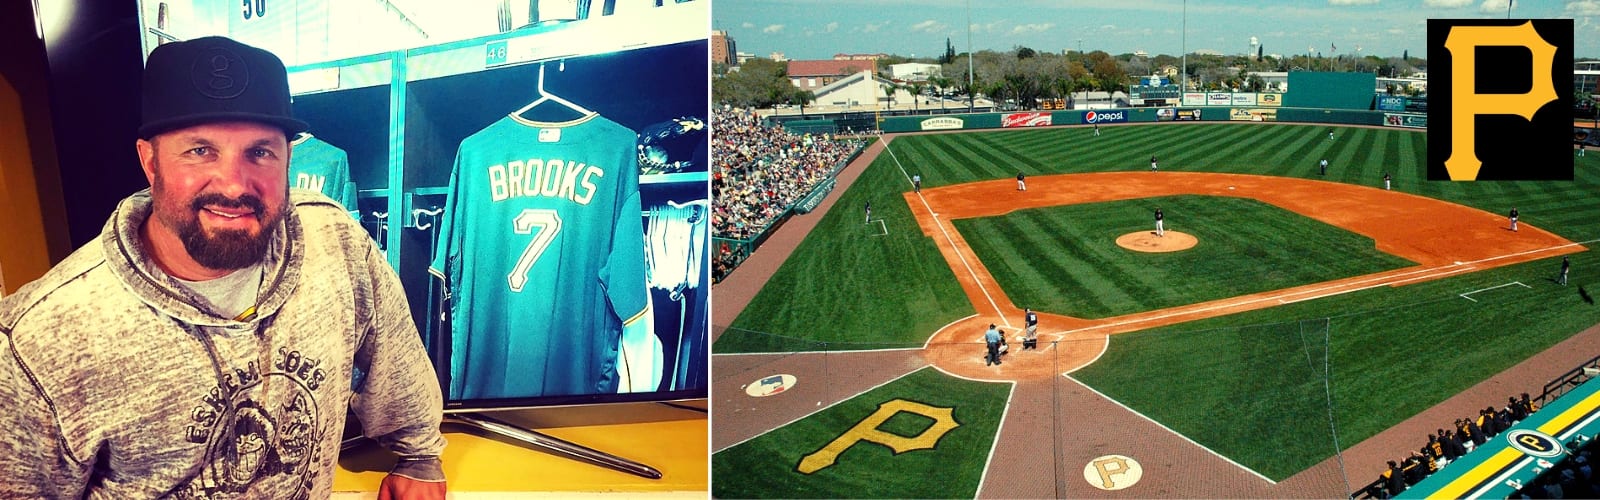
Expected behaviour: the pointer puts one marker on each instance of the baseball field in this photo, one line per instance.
(1315, 312)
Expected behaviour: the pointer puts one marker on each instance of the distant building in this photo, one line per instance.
(778, 56)
(916, 72)
(1586, 76)
(861, 89)
(722, 48)
(744, 56)
(814, 75)
(1275, 81)
(858, 57)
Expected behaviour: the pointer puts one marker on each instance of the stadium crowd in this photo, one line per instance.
(758, 171)
(1447, 445)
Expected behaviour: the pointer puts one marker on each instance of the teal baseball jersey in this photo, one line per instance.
(541, 250)
(318, 166)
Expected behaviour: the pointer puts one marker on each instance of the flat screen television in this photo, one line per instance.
(536, 176)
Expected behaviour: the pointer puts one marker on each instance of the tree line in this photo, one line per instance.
(1024, 76)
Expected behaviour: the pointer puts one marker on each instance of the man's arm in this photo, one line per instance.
(32, 462)
(398, 401)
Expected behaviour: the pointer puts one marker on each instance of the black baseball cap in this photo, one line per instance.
(214, 79)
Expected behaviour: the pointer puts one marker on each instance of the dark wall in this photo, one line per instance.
(23, 64)
(95, 63)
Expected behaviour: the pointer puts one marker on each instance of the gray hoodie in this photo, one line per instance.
(116, 382)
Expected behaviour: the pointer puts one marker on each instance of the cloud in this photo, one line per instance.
(748, 25)
(1032, 28)
(929, 26)
(1493, 6)
(1447, 3)
(831, 27)
(873, 28)
(1352, 2)
(993, 27)
(1583, 8)
(774, 28)
(1108, 27)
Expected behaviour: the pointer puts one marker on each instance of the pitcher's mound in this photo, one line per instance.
(1147, 241)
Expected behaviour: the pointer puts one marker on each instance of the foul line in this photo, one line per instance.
(1460, 267)
(995, 443)
(1168, 429)
(1465, 295)
(947, 237)
(830, 405)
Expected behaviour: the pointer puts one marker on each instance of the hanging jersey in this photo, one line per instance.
(542, 254)
(318, 166)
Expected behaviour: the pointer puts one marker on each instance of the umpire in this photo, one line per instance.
(992, 338)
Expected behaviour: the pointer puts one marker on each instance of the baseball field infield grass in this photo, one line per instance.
(1065, 259)
(766, 467)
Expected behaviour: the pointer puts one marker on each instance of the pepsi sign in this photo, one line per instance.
(1118, 116)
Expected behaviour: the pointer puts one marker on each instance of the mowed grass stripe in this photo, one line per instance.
(1389, 352)
(766, 467)
(1241, 142)
(1246, 247)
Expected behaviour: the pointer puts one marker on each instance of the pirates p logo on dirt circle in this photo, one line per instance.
(1112, 472)
(768, 386)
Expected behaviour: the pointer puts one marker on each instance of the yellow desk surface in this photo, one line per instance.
(477, 463)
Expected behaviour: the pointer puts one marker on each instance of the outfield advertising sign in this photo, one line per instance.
(1253, 115)
(1118, 116)
(1244, 99)
(1187, 115)
(810, 202)
(1269, 99)
(943, 123)
(1025, 120)
(1584, 135)
(1404, 120)
(1219, 99)
(1391, 103)
(1194, 99)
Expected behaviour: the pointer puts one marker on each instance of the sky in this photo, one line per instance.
(818, 29)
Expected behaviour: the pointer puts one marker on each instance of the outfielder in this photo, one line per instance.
(1323, 167)
(1021, 185)
(1386, 181)
(916, 182)
(1566, 265)
(1097, 131)
(1160, 231)
(1513, 218)
(869, 211)
(1152, 163)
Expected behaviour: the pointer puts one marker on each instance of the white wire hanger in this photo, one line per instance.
(545, 96)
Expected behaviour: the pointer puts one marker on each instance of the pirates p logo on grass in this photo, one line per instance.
(1501, 99)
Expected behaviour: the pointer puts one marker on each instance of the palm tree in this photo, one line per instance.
(916, 92)
(940, 85)
(888, 90)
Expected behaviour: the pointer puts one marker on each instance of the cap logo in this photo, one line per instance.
(218, 73)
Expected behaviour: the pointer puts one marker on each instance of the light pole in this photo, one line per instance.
(1185, 37)
(969, 56)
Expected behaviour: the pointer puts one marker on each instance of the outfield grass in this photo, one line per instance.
(766, 467)
(1065, 259)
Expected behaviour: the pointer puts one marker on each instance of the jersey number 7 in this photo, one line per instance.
(548, 222)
